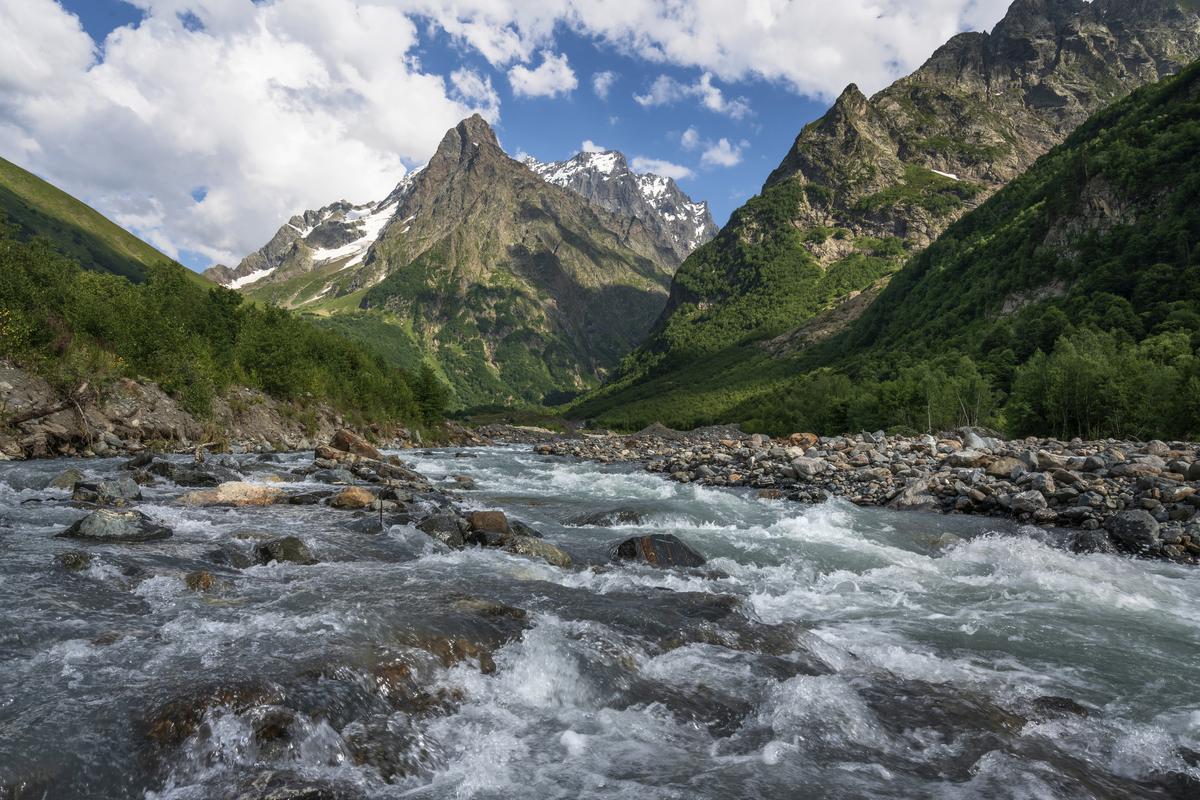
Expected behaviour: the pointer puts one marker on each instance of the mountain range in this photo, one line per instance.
(875, 181)
(503, 274)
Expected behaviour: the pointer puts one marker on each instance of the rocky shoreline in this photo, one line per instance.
(1138, 498)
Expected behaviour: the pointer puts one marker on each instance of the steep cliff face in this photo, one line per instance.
(879, 178)
(679, 224)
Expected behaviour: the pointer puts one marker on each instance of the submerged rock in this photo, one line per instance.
(287, 549)
(171, 723)
(74, 560)
(608, 519)
(657, 550)
(106, 525)
(200, 581)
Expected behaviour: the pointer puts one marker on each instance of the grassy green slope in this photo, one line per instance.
(77, 230)
(1069, 303)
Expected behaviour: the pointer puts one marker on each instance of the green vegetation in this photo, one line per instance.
(921, 188)
(1068, 304)
(38, 209)
(73, 325)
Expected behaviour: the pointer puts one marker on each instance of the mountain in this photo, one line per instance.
(516, 288)
(98, 314)
(78, 231)
(877, 179)
(1068, 304)
(605, 179)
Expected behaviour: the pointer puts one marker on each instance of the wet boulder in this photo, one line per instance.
(488, 522)
(334, 476)
(393, 746)
(1134, 531)
(1092, 541)
(106, 525)
(538, 548)
(119, 492)
(193, 475)
(286, 549)
(1052, 706)
(608, 519)
(172, 722)
(285, 785)
(236, 494)
(66, 480)
(74, 560)
(200, 581)
(445, 528)
(310, 498)
(657, 550)
(348, 441)
(353, 498)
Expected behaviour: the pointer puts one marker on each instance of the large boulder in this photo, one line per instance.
(350, 442)
(1006, 468)
(235, 494)
(968, 459)
(488, 522)
(444, 528)
(538, 548)
(353, 498)
(1193, 473)
(66, 479)
(809, 468)
(916, 495)
(287, 549)
(1134, 531)
(193, 474)
(608, 519)
(657, 550)
(118, 492)
(1028, 502)
(107, 525)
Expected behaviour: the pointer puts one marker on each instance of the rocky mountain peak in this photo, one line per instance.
(464, 141)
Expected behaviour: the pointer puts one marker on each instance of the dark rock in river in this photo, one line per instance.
(608, 519)
(287, 549)
(106, 525)
(74, 560)
(117, 492)
(657, 550)
(488, 522)
(193, 474)
(445, 528)
(1135, 531)
(177, 719)
(538, 548)
(1095, 541)
(310, 498)
(394, 746)
(289, 786)
(66, 479)
(1051, 706)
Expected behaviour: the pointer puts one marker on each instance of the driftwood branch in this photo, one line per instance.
(77, 398)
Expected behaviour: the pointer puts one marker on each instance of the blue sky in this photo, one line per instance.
(203, 124)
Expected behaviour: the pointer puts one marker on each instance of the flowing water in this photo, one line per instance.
(824, 652)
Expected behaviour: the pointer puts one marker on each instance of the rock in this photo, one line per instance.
(66, 479)
(310, 498)
(200, 581)
(608, 519)
(334, 476)
(393, 746)
(173, 722)
(1193, 473)
(353, 498)
(350, 442)
(1006, 468)
(1028, 502)
(444, 528)
(1052, 706)
(915, 496)
(236, 494)
(488, 522)
(464, 482)
(193, 475)
(657, 550)
(804, 440)
(808, 468)
(1158, 448)
(287, 549)
(539, 548)
(119, 492)
(105, 525)
(1134, 531)
(966, 458)
(74, 560)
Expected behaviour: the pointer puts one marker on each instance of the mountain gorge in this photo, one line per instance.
(519, 283)
(878, 179)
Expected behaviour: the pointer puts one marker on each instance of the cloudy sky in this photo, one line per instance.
(203, 124)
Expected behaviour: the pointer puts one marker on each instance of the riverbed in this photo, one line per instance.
(827, 651)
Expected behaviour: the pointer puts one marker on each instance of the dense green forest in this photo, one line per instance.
(1067, 305)
(74, 325)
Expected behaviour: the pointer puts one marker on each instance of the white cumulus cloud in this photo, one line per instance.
(273, 108)
(660, 167)
(602, 83)
(690, 139)
(722, 154)
(589, 146)
(552, 77)
(666, 91)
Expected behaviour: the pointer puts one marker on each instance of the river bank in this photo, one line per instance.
(1139, 498)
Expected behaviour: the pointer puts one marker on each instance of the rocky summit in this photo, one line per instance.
(507, 281)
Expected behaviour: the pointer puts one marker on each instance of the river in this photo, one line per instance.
(823, 652)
